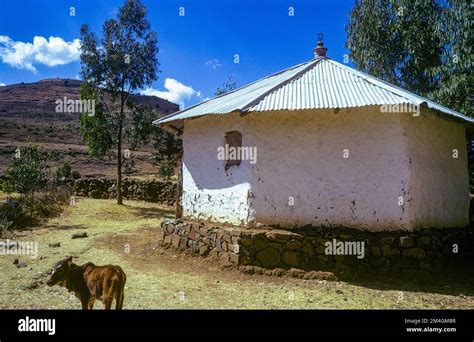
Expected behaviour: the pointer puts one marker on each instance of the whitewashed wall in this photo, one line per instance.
(439, 181)
(301, 155)
(209, 191)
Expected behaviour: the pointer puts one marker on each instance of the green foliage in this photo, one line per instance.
(28, 171)
(421, 45)
(124, 60)
(64, 171)
(75, 174)
(166, 169)
(455, 76)
(168, 147)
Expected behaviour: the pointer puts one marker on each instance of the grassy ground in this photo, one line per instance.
(158, 278)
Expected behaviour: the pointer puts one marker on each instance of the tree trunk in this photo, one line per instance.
(179, 190)
(119, 154)
(119, 171)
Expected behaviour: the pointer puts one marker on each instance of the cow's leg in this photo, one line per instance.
(91, 303)
(108, 302)
(119, 300)
(84, 303)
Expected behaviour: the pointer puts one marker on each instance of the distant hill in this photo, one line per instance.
(27, 112)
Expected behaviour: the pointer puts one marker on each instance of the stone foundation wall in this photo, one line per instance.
(391, 253)
(150, 191)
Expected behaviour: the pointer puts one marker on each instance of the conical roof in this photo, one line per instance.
(317, 84)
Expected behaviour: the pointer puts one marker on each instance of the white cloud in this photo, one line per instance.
(51, 52)
(214, 63)
(2, 84)
(175, 91)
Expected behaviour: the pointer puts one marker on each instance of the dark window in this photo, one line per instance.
(233, 144)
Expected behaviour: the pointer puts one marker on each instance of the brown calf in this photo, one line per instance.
(90, 282)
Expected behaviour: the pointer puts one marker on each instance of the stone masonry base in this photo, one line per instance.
(422, 252)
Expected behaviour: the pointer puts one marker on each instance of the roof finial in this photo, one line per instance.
(320, 50)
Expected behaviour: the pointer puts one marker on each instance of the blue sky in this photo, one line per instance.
(197, 50)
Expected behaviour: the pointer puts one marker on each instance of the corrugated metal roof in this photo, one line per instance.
(317, 84)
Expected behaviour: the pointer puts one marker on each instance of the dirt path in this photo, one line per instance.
(159, 278)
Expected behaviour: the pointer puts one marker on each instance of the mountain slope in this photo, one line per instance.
(27, 113)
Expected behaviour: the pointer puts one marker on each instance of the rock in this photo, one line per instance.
(247, 242)
(203, 251)
(406, 241)
(269, 257)
(308, 249)
(79, 235)
(388, 251)
(57, 244)
(175, 240)
(296, 273)
(319, 275)
(21, 264)
(425, 241)
(279, 272)
(417, 253)
(292, 258)
(260, 244)
(293, 244)
(224, 258)
(251, 270)
(234, 258)
(167, 240)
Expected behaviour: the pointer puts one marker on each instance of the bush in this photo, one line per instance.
(64, 172)
(75, 174)
(31, 211)
(166, 170)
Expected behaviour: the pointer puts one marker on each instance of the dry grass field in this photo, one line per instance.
(163, 279)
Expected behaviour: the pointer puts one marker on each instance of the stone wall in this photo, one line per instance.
(418, 253)
(150, 191)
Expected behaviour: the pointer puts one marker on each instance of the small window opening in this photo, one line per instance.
(233, 147)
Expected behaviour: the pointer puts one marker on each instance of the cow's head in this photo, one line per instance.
(60, 272)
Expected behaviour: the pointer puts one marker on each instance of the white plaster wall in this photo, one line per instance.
(439, 182)
(209, 191)
(300, 154)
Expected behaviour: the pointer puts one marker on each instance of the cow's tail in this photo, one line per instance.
(121, 291)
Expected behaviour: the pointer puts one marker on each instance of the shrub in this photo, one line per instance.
(64, 172)
(166, 170)
(75, 174)
(29, 170)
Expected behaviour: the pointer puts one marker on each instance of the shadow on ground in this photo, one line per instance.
(153, 213)
(458, 282)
